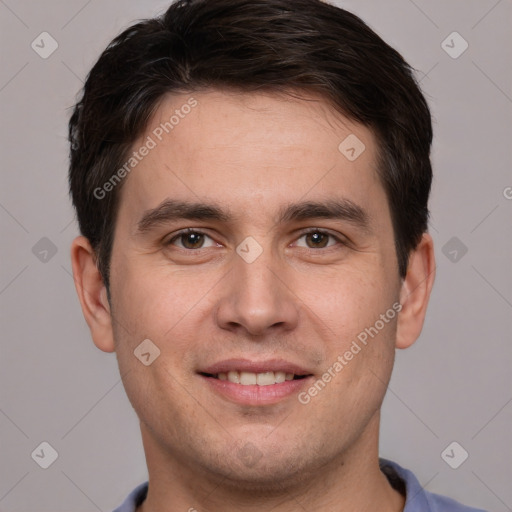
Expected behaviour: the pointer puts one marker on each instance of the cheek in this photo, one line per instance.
(152, 301)
(155, 388)
(347, 301)
(356, 315)
(170, 310)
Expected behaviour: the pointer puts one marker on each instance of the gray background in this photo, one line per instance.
(454, 384)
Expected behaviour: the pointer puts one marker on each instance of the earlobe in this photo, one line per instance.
(92, 294)
(415, 292)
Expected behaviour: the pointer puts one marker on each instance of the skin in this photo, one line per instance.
(301, 300)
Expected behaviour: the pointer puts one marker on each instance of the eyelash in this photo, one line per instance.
(303, 233)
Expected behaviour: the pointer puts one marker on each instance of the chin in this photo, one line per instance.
(253, 468)
(266, 477)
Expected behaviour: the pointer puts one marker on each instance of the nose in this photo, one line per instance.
(256, 298)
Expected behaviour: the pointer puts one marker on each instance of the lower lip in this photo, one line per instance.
(254, 394)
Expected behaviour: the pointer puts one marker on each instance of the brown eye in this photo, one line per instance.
(317, 239)
(191, 240)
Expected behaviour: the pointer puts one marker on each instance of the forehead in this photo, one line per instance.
(251, 150)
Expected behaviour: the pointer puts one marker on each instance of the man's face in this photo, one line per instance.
(264, 281)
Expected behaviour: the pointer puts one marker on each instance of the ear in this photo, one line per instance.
(415, 292)
(92, 294)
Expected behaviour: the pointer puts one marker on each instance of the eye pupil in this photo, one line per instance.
(192, 240)
(318, 239)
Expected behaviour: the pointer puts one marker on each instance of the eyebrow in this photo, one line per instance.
(169, 210)
(339, 209)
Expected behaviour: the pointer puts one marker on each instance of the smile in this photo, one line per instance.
(245, 378)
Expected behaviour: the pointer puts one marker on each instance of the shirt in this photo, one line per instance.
(403, 480)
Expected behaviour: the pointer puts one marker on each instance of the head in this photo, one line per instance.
(294, 144)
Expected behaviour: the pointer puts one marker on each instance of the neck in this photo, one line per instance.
(350, 482)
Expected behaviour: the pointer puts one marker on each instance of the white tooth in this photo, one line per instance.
(222, 376)
(280, 377)
(247, 378)
(234, 377)
(265, 379)
(289, 376)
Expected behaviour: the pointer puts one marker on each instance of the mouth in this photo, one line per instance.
(246, 382)
(245, 378)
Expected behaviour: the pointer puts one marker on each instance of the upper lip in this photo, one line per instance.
(246, 365)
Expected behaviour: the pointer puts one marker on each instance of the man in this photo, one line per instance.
(251, 180)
